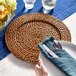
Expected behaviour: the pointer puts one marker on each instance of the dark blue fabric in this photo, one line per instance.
(63, 9)
(64, 62)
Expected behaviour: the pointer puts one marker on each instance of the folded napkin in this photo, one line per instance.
(64, 62)
(63, 9)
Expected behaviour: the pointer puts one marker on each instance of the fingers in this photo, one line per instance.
(41, 69)
(37, 66)
(40, 63)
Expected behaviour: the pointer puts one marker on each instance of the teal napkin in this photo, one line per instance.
(64, 62)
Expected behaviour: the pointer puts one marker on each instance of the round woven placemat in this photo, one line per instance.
(25, 32)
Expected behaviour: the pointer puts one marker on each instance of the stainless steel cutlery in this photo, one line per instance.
(53, 48)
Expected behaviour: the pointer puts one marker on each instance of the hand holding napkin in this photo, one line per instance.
(65, 62)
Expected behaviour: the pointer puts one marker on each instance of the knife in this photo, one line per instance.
(50, 51)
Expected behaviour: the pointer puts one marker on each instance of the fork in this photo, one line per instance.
(56, 45)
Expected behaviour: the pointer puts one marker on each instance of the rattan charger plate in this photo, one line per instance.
(25, 32)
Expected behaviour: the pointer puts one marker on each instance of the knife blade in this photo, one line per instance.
(50, 51)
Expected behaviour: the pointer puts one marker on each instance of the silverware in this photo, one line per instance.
(57, 44)
(50, 51)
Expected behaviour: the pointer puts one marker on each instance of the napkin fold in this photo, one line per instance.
(63, 9)
(65, 62)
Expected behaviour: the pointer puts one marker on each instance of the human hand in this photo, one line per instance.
(41, 69)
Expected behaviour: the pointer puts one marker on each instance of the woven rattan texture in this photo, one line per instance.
(25, 32)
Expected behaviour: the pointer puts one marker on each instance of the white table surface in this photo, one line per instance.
(71, 24)
(12, 66)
